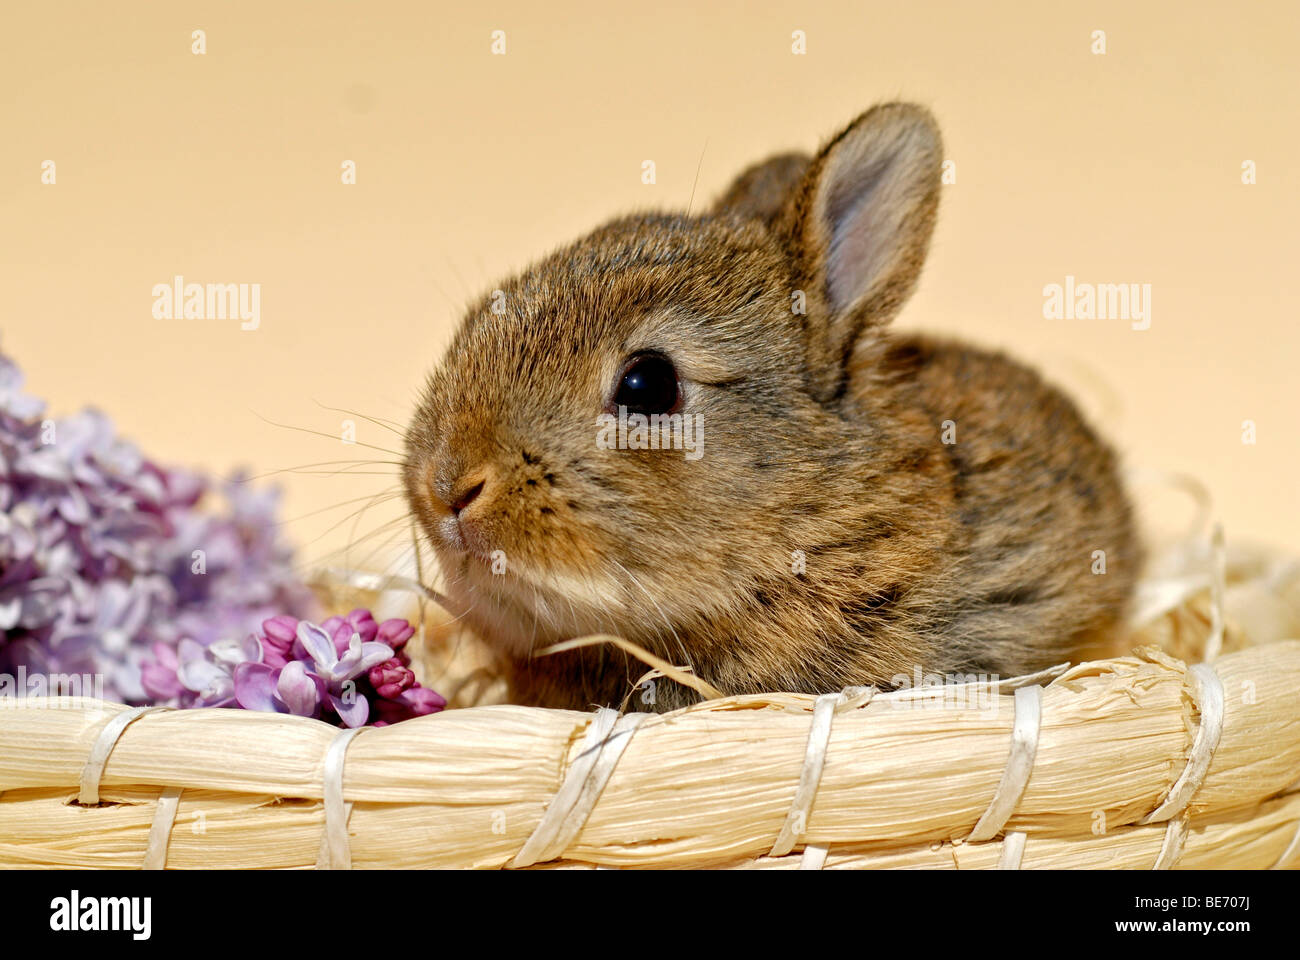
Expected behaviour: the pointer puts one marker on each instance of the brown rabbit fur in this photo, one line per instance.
(823, 442)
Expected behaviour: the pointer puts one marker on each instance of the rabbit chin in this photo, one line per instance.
(521, 609)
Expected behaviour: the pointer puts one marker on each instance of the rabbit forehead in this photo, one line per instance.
(712, 294)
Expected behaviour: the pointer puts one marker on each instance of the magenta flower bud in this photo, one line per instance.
(280, 631)
(422, 700)
(364, 624)
(341, 629)
(278, 635)
(395, 633)
(272, 657)
(390, 678)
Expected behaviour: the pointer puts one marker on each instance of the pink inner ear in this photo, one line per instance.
(874, 182)
(862, 210)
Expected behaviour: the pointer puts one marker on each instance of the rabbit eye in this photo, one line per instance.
(648, 384)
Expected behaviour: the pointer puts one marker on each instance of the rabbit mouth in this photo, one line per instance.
(510, 597)
(547, 588)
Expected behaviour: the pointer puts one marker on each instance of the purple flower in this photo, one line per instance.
(287, 689)
(104, 555)
(395, 633)
(339, 672)
(278, 635)
(305, 671)
(207, 674)
(171, 588)
(341, 629)
(310, 671)
(13, 401)
(159, 677)
(391, 678)
(416, 702)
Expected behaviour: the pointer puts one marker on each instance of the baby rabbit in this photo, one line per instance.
(859, 505)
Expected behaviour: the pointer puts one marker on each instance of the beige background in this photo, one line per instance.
(226, 168)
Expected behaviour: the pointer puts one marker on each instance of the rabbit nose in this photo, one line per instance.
(456, 489)
(462, 500)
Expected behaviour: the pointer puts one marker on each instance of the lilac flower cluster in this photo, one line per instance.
(103, 553)
(113, 567)
(336, 671)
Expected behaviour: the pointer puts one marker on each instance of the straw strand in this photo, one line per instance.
(1020, 764)
(160, 831)
(88, 795)
(335, 851)
(608, 735)
(1013, 851)
(1207, 691)
(1172, 846)
(819, 736)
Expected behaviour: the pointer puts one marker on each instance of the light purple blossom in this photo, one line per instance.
(292, 689)
(97, 554)
(305, 671)
(115, 567)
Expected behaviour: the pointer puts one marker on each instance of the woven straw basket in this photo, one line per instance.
(1138, 761)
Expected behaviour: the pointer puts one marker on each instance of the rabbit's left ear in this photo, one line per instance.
(857, 228)
(762, 191)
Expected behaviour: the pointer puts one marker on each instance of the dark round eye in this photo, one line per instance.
(648, 384)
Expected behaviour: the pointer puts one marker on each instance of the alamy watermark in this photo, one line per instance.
(75, 913)
(41, 689)
(1098, 301)
(179, 300)
(951, 691)
(658, 431)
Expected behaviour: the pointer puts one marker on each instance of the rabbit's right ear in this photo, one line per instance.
(857, 228)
